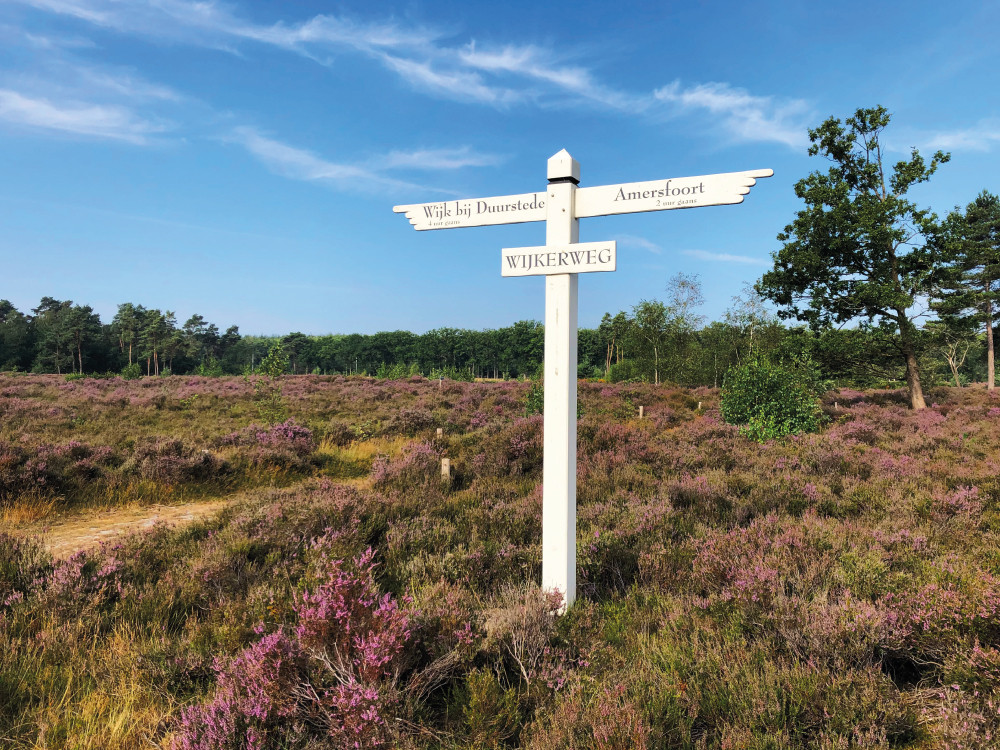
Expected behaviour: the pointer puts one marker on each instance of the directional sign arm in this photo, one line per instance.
(663, 195)
(475, 212)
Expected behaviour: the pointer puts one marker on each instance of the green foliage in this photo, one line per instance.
(267, 390)
(211, 368)
(770, 401)
(491, 712)
(132, 371)
(534, 401)
(452, 373)
(849, 254)
(396, 371)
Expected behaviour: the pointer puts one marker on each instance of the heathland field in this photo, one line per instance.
(834, 590)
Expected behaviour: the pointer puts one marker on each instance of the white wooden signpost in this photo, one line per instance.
(560, 260)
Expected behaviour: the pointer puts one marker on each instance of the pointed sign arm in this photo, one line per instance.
(663, 195)
(475, 212)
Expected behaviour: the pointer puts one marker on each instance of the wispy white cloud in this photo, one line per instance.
(537, 63)
(428, 61)
(438, 159)
(744, 116)
(725, 258)
(300, 164)
(630, 240)
(80, 118)
(126, 85)
(980, 137)
(460, 85)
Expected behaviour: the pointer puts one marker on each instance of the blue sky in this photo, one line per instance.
(241, 160)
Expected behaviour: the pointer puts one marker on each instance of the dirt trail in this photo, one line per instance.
(65, 536)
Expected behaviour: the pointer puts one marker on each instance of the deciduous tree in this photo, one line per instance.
(852, 253)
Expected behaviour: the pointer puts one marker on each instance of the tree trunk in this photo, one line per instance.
(906, 332)
(656, 366)
(954, 371)
(79, 354)
(990, 372)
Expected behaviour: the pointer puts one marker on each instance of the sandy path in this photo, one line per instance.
(65, 536)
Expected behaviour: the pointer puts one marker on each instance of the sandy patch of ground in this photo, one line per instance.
(65, 536)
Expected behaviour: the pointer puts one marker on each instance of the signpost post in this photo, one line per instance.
(561, 259)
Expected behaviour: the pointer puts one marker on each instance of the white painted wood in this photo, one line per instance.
(663, 195)
(559, 439)
(583, 257)
(561, 207)
(475, 212)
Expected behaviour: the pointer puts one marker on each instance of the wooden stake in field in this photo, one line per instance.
(562, 257)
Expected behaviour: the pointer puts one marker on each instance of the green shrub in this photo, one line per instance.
(534, 401)
(397, 371)
(267, 390)
(210, 368)
(769, 401)
(132, 371)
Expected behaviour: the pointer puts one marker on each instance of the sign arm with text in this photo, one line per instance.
(664, 195)
(475, 212)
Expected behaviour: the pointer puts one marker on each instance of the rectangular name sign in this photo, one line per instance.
(475, 212)
(580, 257)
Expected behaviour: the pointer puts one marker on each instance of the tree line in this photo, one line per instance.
(664, 340)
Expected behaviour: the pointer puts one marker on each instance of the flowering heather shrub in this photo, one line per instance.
(963, 720)
(331, 680)
(24, 565)
(347, 623)
(410, 421)
(172, 462)
(820, 592)
(938, 617)
(284, 444)
(253, 701)
(962, 502)
(751, 566)
(515, 450)
(416, 466)
(51, 468)
(87, 583)
(609, 720)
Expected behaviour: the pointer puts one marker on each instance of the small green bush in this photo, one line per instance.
(534, 401)
(769, 401)
(132, 371)
(210, 368)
